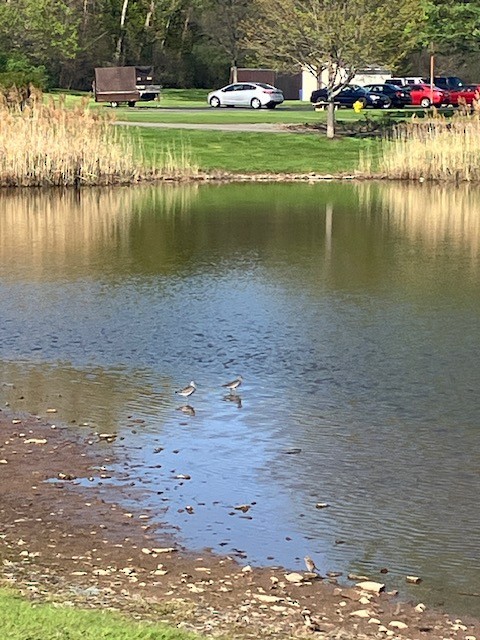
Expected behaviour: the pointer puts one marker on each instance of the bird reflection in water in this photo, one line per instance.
(187, 409)
(235, 398)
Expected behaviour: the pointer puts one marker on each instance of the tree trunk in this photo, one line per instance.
(234, 72)
(331, 118)
(148, 17)
(123, 17)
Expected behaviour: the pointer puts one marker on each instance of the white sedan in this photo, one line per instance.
(246, 94)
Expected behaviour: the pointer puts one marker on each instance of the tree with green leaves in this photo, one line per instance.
(452, 26)
(223, 22)
(334, 36)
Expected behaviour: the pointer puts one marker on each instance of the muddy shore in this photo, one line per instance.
(63, 542)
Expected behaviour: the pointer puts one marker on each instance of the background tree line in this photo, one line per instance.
(193, 43)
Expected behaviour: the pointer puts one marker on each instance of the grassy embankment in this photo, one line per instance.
(241, 152)
(72, 143)
(428, 145)
(21, 620)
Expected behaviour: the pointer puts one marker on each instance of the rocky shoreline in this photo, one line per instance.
(62, 541)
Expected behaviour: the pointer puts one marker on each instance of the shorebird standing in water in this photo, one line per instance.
(187, 391)
(234, 384)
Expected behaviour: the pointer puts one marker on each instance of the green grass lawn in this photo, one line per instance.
(258, 152)
(21, 620)
(242, 152)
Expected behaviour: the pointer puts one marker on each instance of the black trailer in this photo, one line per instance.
(128, 85)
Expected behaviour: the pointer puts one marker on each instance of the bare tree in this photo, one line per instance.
(333, 36)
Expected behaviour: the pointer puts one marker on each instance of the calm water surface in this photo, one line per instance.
(353, 314)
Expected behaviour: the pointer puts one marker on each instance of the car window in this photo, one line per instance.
(231, 87)
(248, 87)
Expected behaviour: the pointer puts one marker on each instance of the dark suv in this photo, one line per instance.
(447, 83)
(351, 94)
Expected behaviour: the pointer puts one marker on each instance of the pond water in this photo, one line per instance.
(352, 311)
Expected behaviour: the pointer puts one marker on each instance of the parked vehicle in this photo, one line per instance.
(447, 83)
(246, 94)
(124, 84)
(398, 96)
(353, 93)
(404, 81)
(466, 94)
(424, 96)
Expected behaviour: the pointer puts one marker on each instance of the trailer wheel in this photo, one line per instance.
(131, 103)
(114, 104)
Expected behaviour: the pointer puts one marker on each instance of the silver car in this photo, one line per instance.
(246, 94)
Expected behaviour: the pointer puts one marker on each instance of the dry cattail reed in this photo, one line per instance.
(46, 144)
(434, 148)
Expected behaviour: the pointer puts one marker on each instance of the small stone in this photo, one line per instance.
(247, 569)
(374, 621)
(183, 476)
(194, 589)
(370, 585)
(35, 441)
(420, 608)
(355, 576)
(398, 624)
(361, 613)
(294, 577)
(107, 437)
(242, 507)
(413, 579)
(321, 505)
(266, 598)
(163, 550)
(364, 600)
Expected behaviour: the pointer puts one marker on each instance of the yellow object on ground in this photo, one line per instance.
(357, 106)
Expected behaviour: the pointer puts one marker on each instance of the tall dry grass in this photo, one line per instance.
(48, 144)
(433, 148)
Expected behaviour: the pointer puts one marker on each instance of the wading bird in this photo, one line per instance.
(234, 384)
(187, 391)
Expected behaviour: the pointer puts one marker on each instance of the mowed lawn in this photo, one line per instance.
(243, 152)
(256, 152)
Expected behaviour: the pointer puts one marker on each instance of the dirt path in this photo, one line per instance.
(59, 539)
